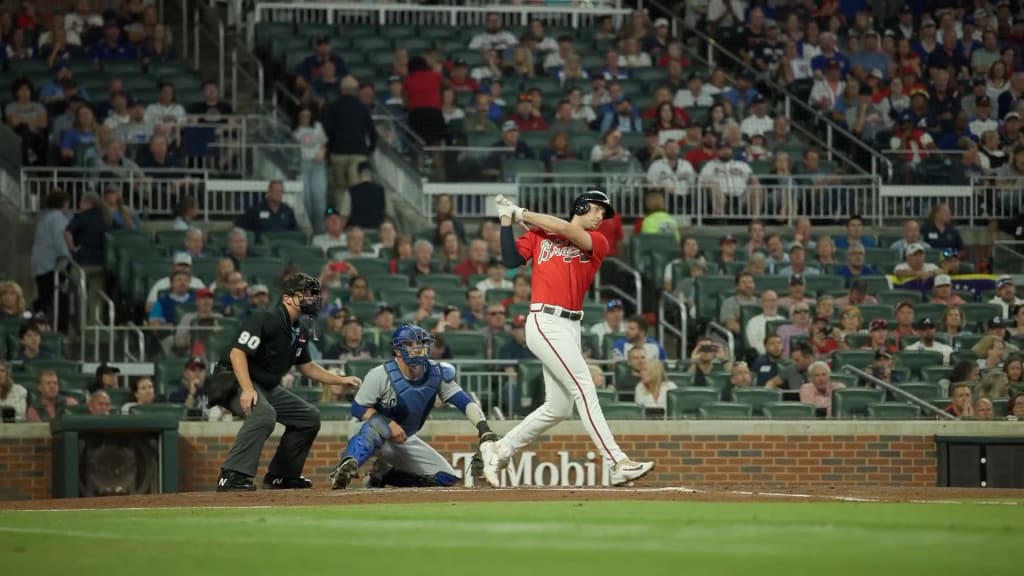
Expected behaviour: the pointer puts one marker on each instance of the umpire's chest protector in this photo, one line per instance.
(412, 402)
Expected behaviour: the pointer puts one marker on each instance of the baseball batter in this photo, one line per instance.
(392, 404)
(566, 256)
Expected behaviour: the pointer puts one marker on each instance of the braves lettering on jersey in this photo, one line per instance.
(385, 390)
(562, 272)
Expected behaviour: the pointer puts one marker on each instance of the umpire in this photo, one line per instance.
(247, 382)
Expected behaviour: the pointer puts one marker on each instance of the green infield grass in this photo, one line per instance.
(523, 538)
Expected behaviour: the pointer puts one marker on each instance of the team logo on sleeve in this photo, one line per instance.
(564, 250)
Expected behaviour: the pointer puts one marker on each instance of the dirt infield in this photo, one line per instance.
(322, 497)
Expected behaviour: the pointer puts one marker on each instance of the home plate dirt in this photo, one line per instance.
(720, 493)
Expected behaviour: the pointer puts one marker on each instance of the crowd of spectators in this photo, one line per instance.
(133, 119)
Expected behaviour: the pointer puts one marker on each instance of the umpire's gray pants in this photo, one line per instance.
(301, 421)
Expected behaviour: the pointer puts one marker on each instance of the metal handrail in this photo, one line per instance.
(637, 282)
(106, 302)
(899, 392)
(790, 98)
(130, 326)
(663, 323)
(380, 12)
(730, 340)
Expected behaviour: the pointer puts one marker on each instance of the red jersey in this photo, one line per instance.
(562, 273)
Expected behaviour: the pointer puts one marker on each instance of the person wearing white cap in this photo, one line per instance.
(915, 264)
(1005, 295)
(182, 262)
(942, 293)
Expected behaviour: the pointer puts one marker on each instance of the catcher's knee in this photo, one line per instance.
(446, 479)
(364, 444)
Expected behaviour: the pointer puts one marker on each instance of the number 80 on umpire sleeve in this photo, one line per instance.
(248, 340)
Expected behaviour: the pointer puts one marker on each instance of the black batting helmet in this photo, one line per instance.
(581, 205)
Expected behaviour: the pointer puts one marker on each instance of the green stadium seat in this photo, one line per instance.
(961, 355)
(382, 282)
(725, 411)
(466, 344)
(311, 394)
(530, 376)
(360, 366)
(335, 411)
(894, 297)
(857, 358)
(625, 381)
(623, 411)
(686, 402)
(178, 410)
(923, 390)
(788, 410)
(979, 312)
(756, 398)
(607, 396)
(441, 281)
(496, 295)
(893, 411)
(371, 266)
(289, 237)
(967, 341)
(872, 311)
(929, 310)
(847, 379)
(824, 283)
(935, 373)
(1001, 408)
(917, 361)
(853, 402)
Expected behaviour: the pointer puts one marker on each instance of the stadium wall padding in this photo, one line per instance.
(688, 453)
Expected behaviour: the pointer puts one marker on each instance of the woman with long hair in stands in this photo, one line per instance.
(451, 252)
(990, 351)
(1016, 407)
(402, 251)
(140, 392)
(1016, 320)
(652, 390)
(12, 395)
(996, 81)
(1014, 369)
(952, 325)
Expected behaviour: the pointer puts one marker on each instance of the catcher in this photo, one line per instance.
(392, 404)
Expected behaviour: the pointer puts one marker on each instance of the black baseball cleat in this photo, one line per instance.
(343, 473)
(231, 481)
(275, 482)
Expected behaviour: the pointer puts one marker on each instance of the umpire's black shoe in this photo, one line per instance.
(231, 481)
(275, 482)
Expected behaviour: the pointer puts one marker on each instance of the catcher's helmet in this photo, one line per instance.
(412, 344)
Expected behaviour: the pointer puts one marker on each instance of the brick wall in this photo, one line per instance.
(683, 459)
(25, 468)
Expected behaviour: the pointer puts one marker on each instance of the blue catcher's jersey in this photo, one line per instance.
(387, 391)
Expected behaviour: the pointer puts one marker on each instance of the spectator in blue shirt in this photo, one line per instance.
(78, 144)
(871, 57)
(855, 264)
(113, 48)
(309, 70)
(827, 43)
(63, 86)
(636, 337)
(742, 94)
(854, 231)
(163, 312)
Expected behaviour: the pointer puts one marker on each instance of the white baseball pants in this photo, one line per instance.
(556, 343)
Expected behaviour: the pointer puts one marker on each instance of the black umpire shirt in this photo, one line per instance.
(272, 345)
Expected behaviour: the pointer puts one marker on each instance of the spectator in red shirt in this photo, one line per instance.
(475, 263)
(460, 80)
(520, 292)
(423, 100)
(661, 96)
(698, 156)
(526, 117)
(674, 54)
(612, 230)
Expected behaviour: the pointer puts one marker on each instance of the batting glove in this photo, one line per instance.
(507, 208)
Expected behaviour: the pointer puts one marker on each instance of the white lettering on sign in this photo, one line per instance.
(567, 252)
(527, 470)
